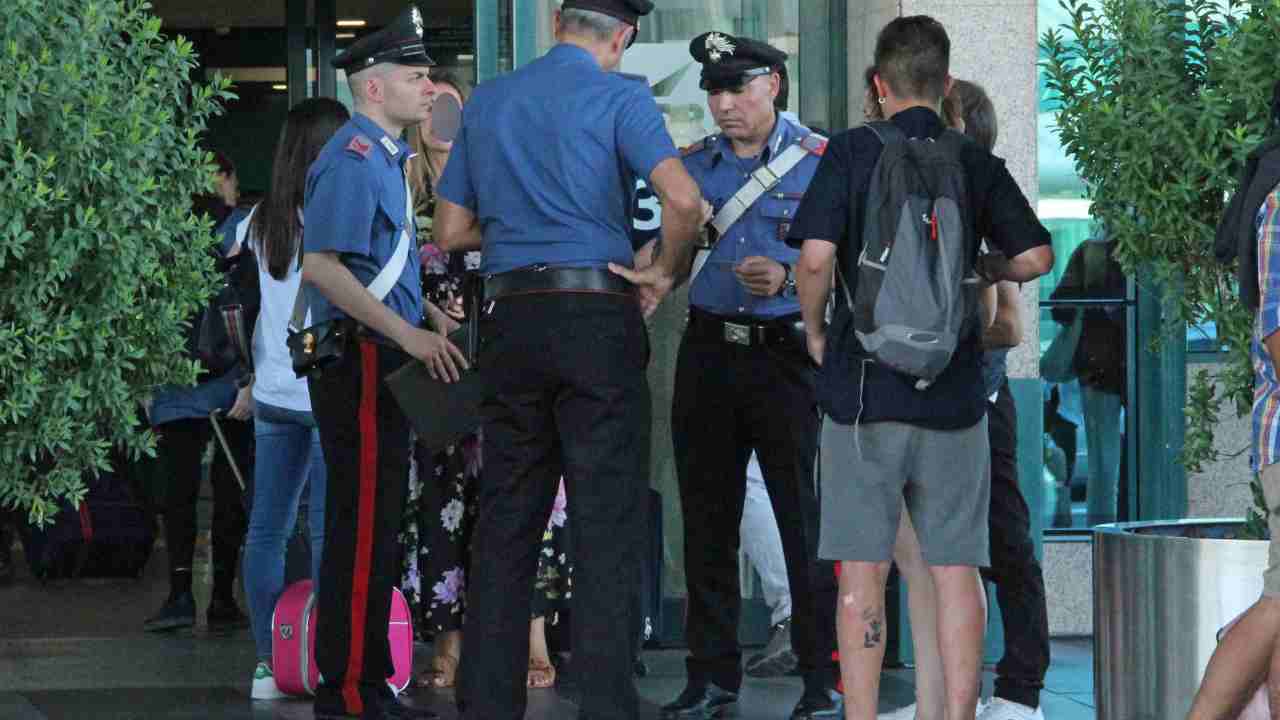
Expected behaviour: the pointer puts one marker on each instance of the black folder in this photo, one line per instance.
(443, 413)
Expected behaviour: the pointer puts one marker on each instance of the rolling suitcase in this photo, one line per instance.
(293, 641)
(109, 534)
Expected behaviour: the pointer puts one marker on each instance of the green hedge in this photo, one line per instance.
(101, 260)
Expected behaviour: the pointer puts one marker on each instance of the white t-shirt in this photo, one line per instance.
(274, 382)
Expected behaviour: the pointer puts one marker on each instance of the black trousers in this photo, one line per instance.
(730, 400)
(1014, 569)
(182, 444)
(365, 438)
(568, 395)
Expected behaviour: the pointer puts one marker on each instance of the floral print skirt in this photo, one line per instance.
(436, 538)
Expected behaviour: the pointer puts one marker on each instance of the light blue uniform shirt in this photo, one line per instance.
(547, 160)
(355, 206)
(762, 230)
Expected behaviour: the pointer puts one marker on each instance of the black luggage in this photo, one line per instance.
(109, 534)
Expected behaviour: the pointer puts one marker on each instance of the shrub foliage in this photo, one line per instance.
(101, 259)
(1159, 103)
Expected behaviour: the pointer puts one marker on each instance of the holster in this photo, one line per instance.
(320, 346)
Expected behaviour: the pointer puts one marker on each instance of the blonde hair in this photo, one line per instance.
(421, 177)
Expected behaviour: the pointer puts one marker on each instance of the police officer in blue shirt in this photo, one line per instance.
(542, 178)
(358, 222)
(744, 381)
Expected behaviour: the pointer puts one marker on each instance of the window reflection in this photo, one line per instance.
(1084, 351)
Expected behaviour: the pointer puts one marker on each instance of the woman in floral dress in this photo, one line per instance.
(441, 511)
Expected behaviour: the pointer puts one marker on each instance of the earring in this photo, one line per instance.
(880, 100)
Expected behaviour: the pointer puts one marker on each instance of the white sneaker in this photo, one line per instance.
(906, 713)
(264, 684)
(1001, 709)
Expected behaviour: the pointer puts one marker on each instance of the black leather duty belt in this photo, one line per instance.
(784, 331)
(543, 279)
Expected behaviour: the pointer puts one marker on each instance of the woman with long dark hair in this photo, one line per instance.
(288, 455)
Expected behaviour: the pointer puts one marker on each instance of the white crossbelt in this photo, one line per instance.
(385, 279)
(764, 179)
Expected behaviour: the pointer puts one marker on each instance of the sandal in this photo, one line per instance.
(441, 675)
(542, 674)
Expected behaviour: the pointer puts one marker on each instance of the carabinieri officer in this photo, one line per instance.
(542, 178)
(361, 264)
(744, 381)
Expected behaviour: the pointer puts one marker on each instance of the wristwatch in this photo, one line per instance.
(788, 287)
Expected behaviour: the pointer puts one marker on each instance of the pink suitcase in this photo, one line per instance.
(293, 632)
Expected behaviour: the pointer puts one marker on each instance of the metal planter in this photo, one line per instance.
(1161, 592)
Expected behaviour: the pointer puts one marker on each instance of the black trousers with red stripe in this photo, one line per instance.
(365, 438)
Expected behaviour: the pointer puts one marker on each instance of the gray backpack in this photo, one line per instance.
(917, 292)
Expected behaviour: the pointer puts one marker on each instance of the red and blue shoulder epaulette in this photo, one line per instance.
(360, 145)
(699, 146)
(814, 143)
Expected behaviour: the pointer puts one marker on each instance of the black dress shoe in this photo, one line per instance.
(179, 611)
(700, 701)
(393, 709)
(816, 704)
(380, 707)
(224, 614)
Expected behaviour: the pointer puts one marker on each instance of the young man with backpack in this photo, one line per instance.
(897, 210)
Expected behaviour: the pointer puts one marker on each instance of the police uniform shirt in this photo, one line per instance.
(547, 160)
(355, 207)
(761, 231)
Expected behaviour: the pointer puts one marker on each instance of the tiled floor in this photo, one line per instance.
(75, 650)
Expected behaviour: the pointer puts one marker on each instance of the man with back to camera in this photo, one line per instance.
(744, 381)
(358, 215)
(542, 178)
(896, 437)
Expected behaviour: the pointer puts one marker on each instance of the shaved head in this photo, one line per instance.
(359, 81)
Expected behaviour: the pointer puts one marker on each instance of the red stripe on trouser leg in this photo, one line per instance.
(835, 654)
(364, 524)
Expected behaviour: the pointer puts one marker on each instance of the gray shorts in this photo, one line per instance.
(943, 475)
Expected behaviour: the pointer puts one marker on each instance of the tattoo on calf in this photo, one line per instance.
(875, 628)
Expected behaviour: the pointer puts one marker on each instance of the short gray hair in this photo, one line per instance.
(357, 79)
(596, 25)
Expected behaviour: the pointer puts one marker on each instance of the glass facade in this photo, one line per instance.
(1096, 359)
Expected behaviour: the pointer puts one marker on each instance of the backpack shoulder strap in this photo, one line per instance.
(887, 132)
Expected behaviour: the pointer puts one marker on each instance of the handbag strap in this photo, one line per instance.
(386, 278)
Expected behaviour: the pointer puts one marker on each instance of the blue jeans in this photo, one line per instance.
(288, 457)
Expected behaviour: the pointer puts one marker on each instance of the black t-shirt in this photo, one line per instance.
(833, 210)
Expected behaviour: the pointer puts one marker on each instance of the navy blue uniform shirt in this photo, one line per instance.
(547, 159)
(833, 210)
(355, 207)
(762, 230)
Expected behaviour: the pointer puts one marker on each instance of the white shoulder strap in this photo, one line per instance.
(761, 181)
(386, 278)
